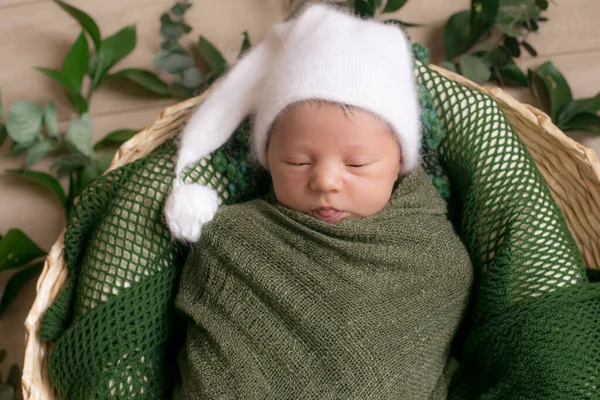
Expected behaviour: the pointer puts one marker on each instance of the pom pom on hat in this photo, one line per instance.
(323, 54)
(188, 208)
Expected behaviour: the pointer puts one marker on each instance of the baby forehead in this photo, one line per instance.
(323, 114)
(348, 110)
(331, 133)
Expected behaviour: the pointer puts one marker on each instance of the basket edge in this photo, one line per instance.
(51, 280)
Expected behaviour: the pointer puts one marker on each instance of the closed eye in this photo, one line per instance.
(356, 165)
(294, 164)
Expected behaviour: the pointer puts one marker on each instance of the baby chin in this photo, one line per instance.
(328, 214)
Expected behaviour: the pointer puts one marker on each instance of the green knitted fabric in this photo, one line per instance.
(282, 305)
(535, 319)
(532, 327)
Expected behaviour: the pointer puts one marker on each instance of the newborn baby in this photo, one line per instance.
(347, 281)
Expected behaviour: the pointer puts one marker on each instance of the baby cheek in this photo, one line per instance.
(290, 185)
(371, 194)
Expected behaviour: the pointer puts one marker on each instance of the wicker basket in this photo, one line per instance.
(571, 170)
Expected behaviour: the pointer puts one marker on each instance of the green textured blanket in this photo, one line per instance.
(284, 306)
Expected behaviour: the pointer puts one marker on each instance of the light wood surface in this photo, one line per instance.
(37, 33)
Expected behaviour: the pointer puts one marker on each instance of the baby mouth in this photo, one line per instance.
(327, 214)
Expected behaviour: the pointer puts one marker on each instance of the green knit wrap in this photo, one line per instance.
(282, 305)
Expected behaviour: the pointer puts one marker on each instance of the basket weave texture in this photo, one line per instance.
(571, 171)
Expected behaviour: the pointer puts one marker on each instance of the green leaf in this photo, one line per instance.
(551, 89)
(583, 122)
(67, 163)
(24, 121)
(539, 91)
(571, 110)
(18, 149)
(73, 193)
(484, 46)
(3, 133)
(38, 151)
(145, 79)
(75, 98)
(43, 179)
(245, 44)
(50, 119)
(510, 10)
(364, 8)
(114, 49)
(448, 65)
(212, 56)
(532, 25)
(511, 75)
(93, 66)
(165, 19)
(521, 10)
(394, 5)
(509, 29)
(191, 78)
(16, 250)
(179, 91)
(95, 169)
(499, 57)
(79, 135)
(532, 11)
(172, 31)
(115, 137)
(7, 392)
(509, 17)
(180, 8)
(474, 68)
(172, 62)
(86, 22)
(13, 286)
(78, 102)
(529, 48)
(482, 18)
(589, 105)
(513, 45)
(76, 62)
(173, 47)
(103, 162)
(456, 35)
(542, 4)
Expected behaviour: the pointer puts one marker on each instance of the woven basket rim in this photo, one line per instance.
(35, 382)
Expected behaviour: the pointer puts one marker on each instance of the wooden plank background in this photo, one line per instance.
(38, 33)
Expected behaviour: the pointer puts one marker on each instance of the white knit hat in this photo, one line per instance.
(324, 54)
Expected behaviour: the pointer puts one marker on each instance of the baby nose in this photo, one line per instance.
(326, 179)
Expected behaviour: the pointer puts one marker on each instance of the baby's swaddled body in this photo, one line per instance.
(282, 305)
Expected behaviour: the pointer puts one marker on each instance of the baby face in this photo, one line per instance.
(332, 164)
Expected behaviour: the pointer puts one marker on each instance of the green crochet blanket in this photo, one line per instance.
(281, 305)
(531, 331)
